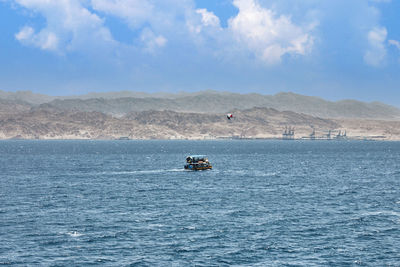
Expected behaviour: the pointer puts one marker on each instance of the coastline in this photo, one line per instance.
(349, 139)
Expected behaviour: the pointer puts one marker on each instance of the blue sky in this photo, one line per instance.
(333, 49)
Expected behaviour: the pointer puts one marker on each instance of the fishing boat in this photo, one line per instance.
(197, 163)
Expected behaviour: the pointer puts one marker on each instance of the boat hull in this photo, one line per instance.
(192, 167)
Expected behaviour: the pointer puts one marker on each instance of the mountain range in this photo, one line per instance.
(200, 115)
(122, 103)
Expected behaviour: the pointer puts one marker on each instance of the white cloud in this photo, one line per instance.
(157, 21)
(202, 23)
(395, 43)
(25, 34)
(208, 18)
(69, 25)
(45, 40)
(134, 12)
(75, 25)
(376, 53)
(152, 41)
(266, 34)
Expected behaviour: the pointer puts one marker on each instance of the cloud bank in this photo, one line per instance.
(262, 29)
(268, 35)
(69, 26)
(74, 25)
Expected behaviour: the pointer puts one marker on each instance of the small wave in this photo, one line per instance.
(383, 212)
(188, 227)
(255, 173)
(74, 234)
(265, 174)
(176, 170)
(155, 226)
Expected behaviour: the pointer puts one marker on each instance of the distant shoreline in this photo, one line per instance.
(208, 139)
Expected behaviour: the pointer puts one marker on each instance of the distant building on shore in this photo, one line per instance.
(288, 133)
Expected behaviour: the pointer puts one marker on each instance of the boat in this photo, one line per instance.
(197, 163)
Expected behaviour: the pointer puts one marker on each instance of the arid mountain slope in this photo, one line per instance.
(46, 123)
(13, 106)
(53, 124)
(122, 103)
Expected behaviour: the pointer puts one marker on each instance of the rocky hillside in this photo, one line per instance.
(47, 123)
(13, 106)
(122, 103)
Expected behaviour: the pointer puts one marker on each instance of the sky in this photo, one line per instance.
(334, 49)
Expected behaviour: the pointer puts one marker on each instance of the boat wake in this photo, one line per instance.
(140, 172)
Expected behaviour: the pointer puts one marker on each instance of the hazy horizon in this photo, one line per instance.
(196, 92)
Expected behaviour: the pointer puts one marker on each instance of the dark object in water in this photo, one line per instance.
(197, 163)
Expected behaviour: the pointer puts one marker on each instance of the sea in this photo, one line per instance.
(264, 203)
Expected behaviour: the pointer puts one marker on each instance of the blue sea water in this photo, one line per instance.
(265, 203)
